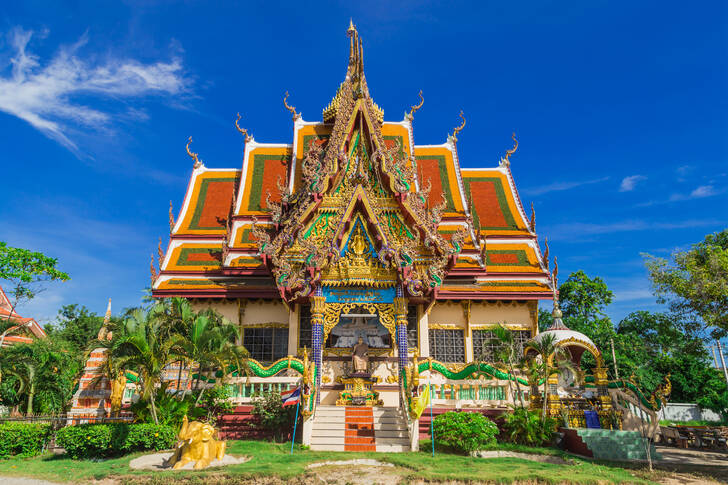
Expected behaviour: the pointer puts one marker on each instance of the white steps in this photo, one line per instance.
(338, 428)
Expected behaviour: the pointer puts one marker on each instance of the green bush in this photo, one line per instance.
(102, 440)
(464, 432)
(525, 427)
(273, 417)
(23, 439)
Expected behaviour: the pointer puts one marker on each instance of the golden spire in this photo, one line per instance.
(546, 252)
(160, 253)
(107, 315)
(193, 155)
(512, 150)
(242, 131)
(171, 217)
(152, 269)
(533, 218)
(556, 272)
(416, 107)
(459, 128)
(292, 109)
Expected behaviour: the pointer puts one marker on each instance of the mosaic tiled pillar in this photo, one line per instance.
(400, 320)
(318, 302)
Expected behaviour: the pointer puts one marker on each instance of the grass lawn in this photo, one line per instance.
(274, 461)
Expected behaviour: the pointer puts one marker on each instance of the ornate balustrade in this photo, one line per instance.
(474, 392)
(244, 389)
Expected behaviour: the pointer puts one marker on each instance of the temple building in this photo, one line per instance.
(351, 229)
(20, 330)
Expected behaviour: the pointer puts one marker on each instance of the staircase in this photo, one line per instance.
(616, 445)
(358, 428)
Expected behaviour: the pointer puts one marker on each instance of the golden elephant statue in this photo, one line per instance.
(198, 443)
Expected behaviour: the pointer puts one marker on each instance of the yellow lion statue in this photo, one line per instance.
(198, 443)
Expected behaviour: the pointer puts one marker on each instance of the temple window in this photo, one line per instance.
(304, 327)
(266, 344)
(412, 324)
(447, 345)
(486, 345)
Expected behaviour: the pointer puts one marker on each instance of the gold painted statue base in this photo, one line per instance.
(358, 392)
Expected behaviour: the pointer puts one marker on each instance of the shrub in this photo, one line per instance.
(268, 407)
(148, 437)
(464, 432)
(525, 427)
(23, 439)
(102, 440)
(170, 409)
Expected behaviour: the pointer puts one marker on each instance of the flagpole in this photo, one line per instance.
(295, 423)
(432, 423)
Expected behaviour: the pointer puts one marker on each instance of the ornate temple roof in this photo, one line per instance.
(28, 327)
(282, 224)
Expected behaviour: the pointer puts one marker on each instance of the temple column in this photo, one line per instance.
(293, 329)
(318, 303)
(400, 321)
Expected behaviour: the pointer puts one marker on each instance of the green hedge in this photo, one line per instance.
(102, 440)
(464, 432)
(23, 439)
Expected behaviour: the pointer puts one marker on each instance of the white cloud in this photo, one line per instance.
(46, 96)
(703, 191)
(558, 186)
(578, 230)
(629, 183)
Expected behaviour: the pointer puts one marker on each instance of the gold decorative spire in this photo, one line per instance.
(107, 315)
(512, 150)
(292, 109)
(171, 217)
(556, 272)
(459, 128)
(193, 155)
(533, 218)
(416, 107)
(152, 269)
(160, 253)
(546, 253)
(243, 131)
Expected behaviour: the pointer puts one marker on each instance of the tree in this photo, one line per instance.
(509, 352)
(553, 360)
(695, 282)
(25, 270)
(77, 325)
(143, 344)
(41, 375)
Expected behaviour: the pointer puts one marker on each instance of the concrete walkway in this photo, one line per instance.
(688, 456)
(24, 481)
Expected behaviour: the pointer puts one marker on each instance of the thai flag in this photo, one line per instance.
(291, 397)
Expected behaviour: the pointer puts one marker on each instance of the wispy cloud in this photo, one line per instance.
(559, 186)
(47, 95)
(699, 192)
(580, 229)
(628, 183)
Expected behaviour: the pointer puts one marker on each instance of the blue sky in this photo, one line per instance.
(619, 108)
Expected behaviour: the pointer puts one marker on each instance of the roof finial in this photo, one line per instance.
(242, 131)
(107, 315)
(415, 107)
(546, 252)
(459, 128)
(533, 218)
(160, 253)
(152, 270)
(556, 271)
(171, 217)
(193, 155)
(292, 109)
(512, 150)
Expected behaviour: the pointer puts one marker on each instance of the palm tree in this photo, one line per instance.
(509, 353)
(208, 340)
(146, 345)
(553, 358)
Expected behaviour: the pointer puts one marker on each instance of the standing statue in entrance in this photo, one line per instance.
(359, 357)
